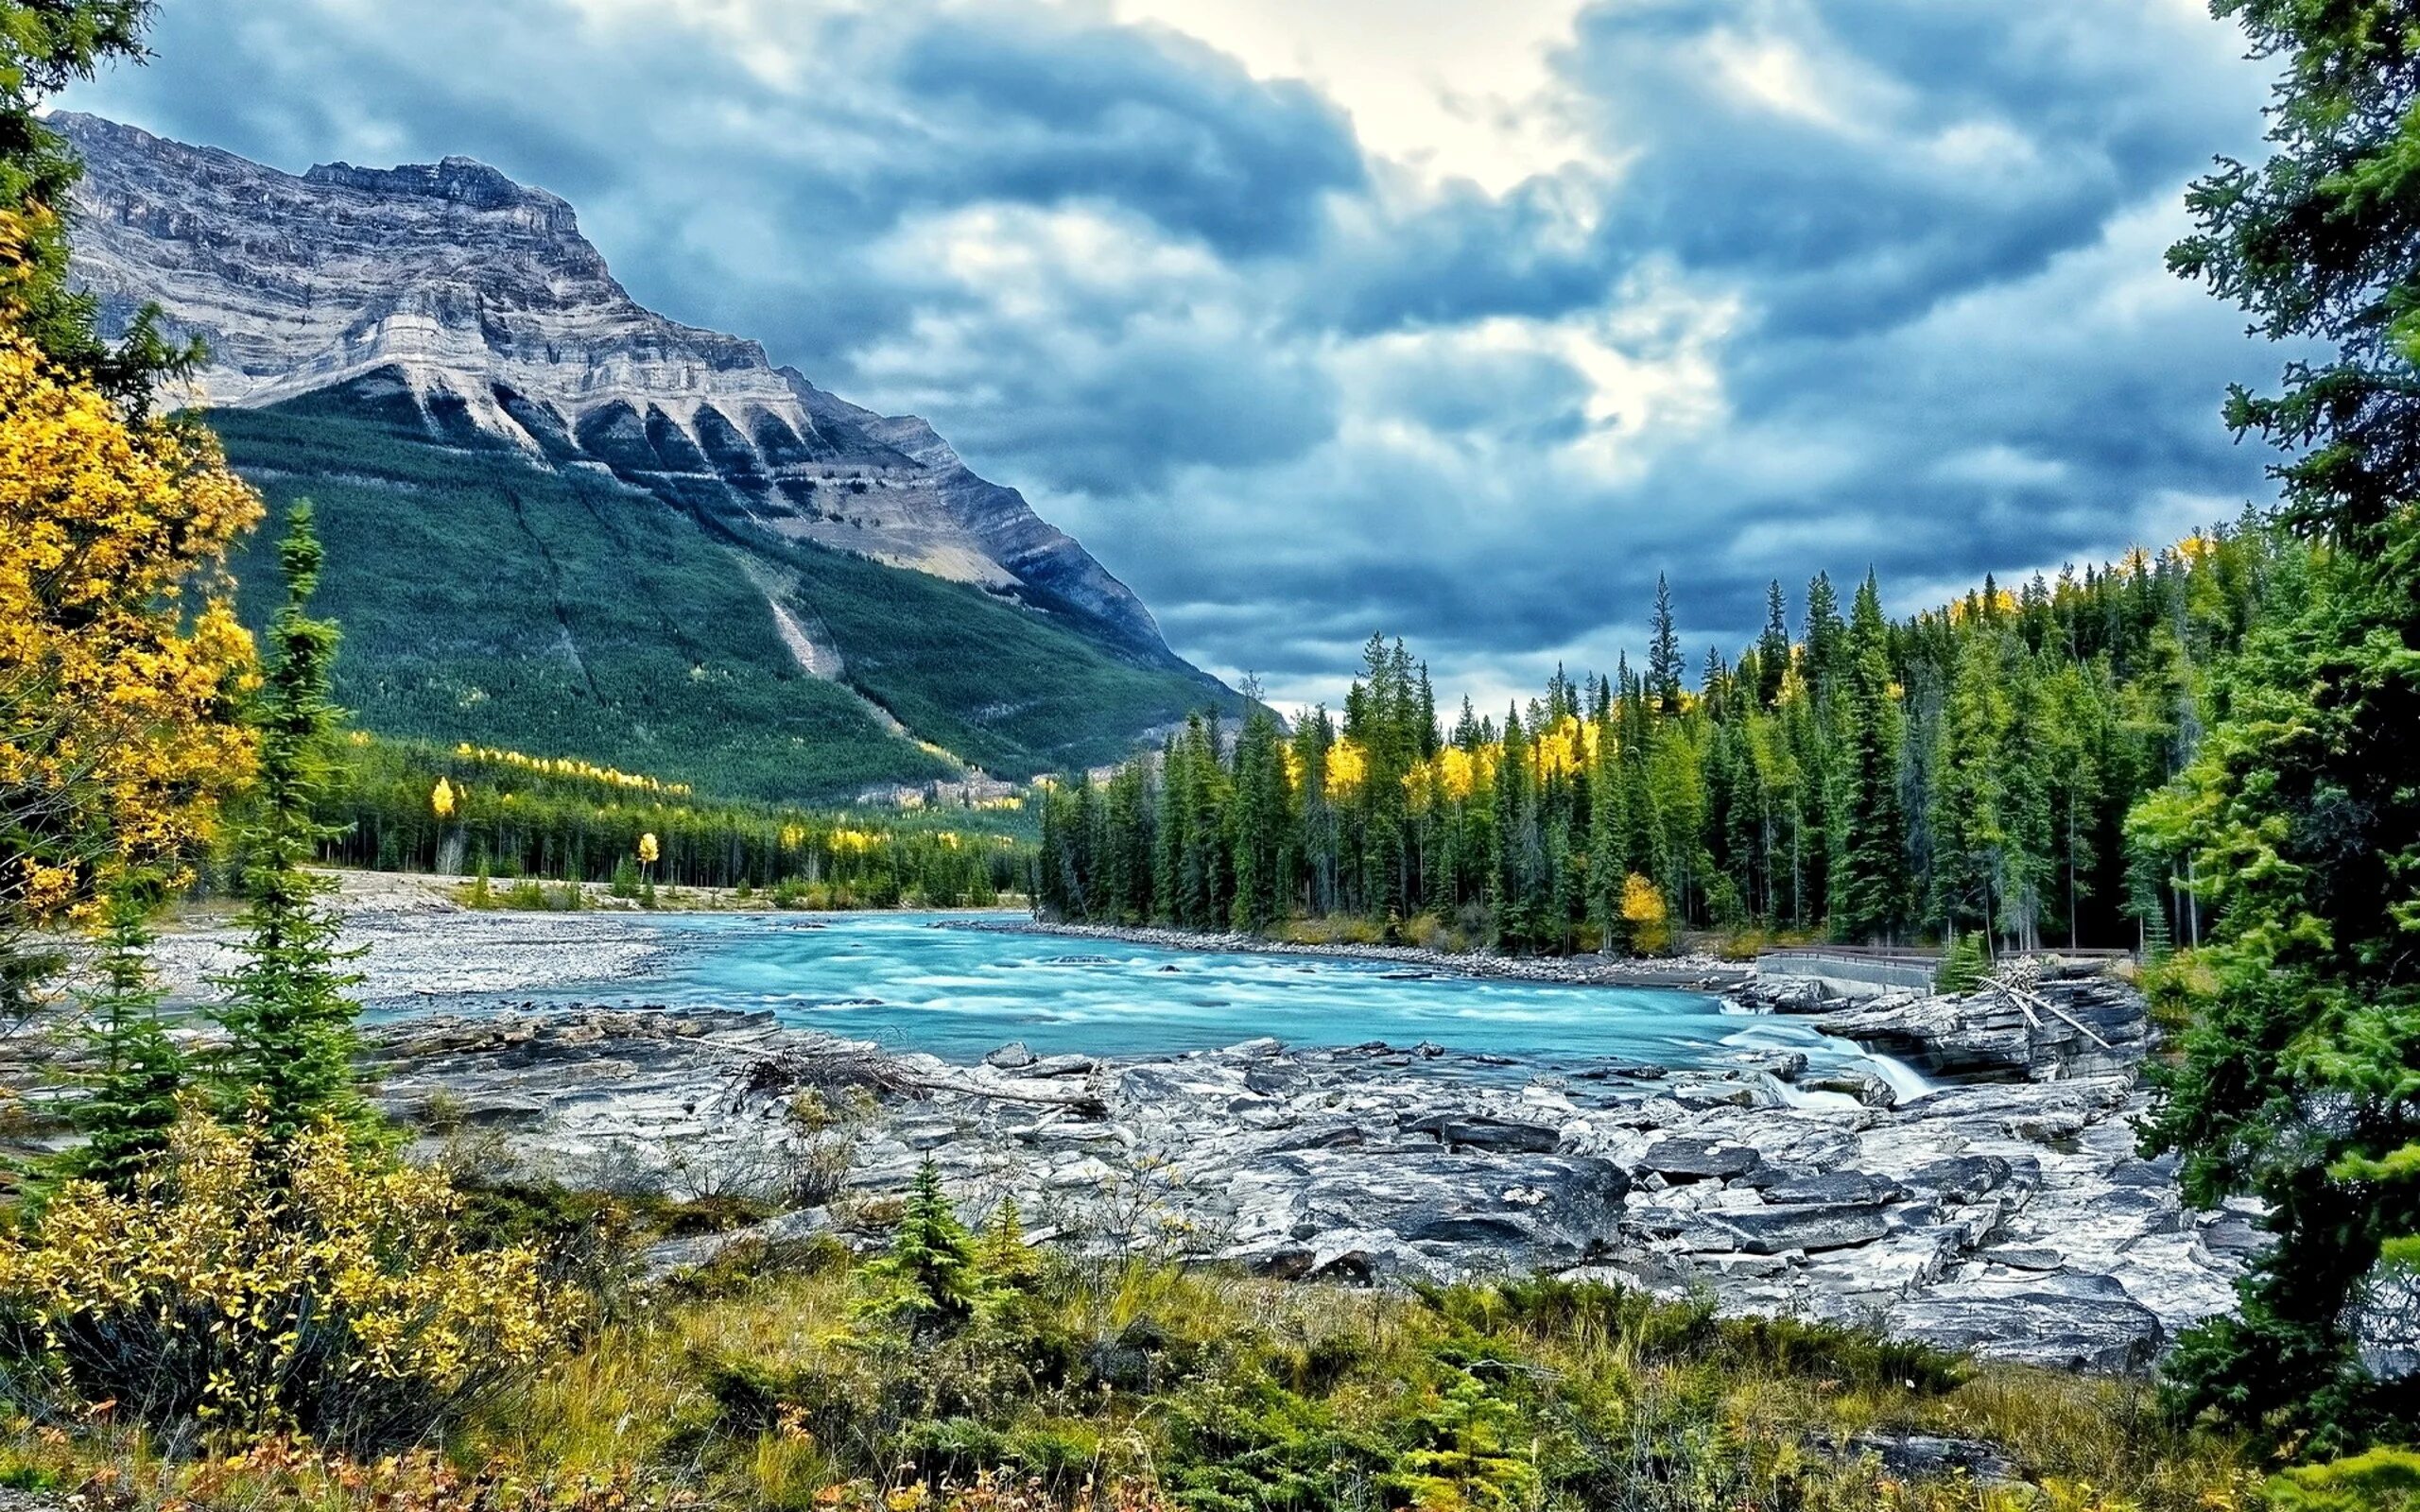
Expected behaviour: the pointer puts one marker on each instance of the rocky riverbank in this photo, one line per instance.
(2004, 1211)
(2009, 1217)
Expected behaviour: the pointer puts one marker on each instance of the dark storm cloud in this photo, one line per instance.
(1158, 126)
(1863, 282)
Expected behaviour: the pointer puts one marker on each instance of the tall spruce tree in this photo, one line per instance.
(135, 1089)
(1664, 667)
(1260, 821)
(286, 1014)
(1772, 647)
(1868, 878)
(2300, 1081)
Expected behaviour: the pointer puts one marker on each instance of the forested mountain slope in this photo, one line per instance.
(486, 599)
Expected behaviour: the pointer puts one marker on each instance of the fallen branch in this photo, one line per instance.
(2031, 1017)
(789, 1069)
(2022, 998)
(1084, 1105)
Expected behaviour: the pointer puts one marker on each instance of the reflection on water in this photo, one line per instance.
(920, 982)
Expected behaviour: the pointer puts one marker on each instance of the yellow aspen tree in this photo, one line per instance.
(441, 799)
(1645, 912)
(121, 660)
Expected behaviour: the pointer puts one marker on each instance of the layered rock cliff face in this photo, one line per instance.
(475, 301)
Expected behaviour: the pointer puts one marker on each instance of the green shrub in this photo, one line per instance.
(931, 1277)
(2383, 1480)
(1964, 969)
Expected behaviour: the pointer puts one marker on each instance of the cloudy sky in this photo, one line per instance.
(1456, 319)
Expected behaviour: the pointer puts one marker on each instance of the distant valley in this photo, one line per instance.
(561, 522)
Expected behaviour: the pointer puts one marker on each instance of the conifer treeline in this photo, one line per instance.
(1968, 770)
(522, 817)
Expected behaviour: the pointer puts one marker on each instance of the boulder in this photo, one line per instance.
(1705, 1096)
(2088, 1323)
(1481, 1132)
(484, 1110)
(2231, 1238)
(1908, 1455)
(1814, 1227)
(1062, 1066)
(1868, 1089)
(1690, 1158)
(1010, 1056)
(2048, 1126)
(1268, 1047)
(1961, 1178)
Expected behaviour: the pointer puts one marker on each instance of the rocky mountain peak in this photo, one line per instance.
(463, 180)
(450, 294)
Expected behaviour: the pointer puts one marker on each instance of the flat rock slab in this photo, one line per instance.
(1425, 1206)
(1695, 1160)
(1818, 1227)
(1834, 1187)
(2107, 1333)
(1481, 1133)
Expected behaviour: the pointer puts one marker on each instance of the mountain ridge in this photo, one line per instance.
(500, 317)
(560, 521)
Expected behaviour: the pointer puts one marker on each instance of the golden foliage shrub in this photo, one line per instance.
(118, 728)
(1646, 914)
(248, 1289)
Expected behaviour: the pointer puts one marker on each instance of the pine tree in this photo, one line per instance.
(931, 1279)
(1002, 1256)
(1665, 667)
(133, 1092)
(1826, 639)
(1970, 800)
(1260, 822)
(2301, 1076)
(286, 1016)
(1963, 967)
(1772, 647)
(1869, 873)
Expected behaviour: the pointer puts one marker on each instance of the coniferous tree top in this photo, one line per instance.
(2323, 241)
(45, 47)
(133, 1091)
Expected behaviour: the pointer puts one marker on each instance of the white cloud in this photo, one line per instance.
(1449, 88)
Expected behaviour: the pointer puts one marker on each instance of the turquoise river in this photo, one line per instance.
(926, 982)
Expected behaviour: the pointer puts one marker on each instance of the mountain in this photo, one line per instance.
(559, 519)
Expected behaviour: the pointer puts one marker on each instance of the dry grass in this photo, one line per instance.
(1210, 1390)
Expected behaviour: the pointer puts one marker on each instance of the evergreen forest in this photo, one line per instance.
(1968, 771)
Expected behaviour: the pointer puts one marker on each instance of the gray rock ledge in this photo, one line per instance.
(2012, 1218)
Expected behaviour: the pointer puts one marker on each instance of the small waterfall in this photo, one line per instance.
(1905, 1081)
